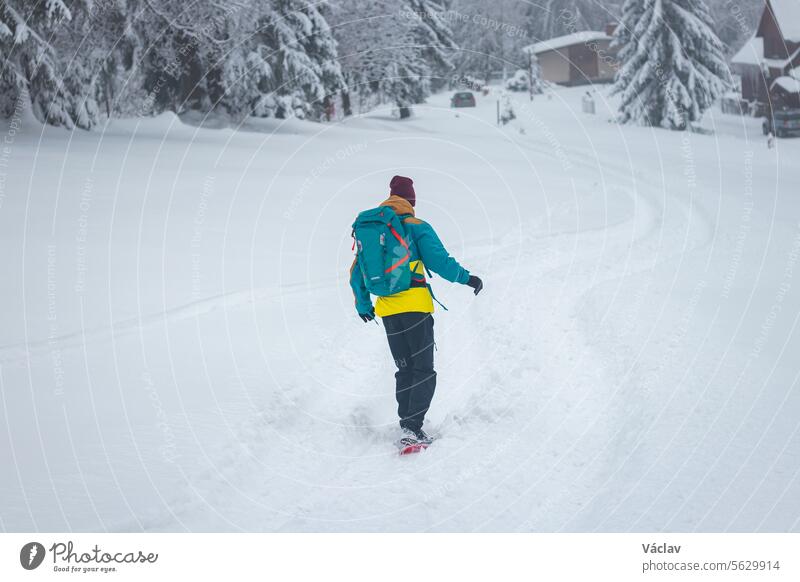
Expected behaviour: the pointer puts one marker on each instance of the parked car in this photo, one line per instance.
(782, 123)
(463, 99)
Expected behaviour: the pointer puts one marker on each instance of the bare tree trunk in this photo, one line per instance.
(346, 105)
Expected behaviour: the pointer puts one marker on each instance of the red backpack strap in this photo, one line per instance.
(402, 241)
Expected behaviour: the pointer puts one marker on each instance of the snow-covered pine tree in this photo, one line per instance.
(235, 67)
(672, 63)
(243, 80)
(321, 47)
(81, 88)
(537, 83)
(433, 37)
(29, 61)
(116, 35)
(186, 45)
(360, 28)
(91, 53)
(303, 60)
(394, 64)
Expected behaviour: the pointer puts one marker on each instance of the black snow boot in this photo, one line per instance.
(422, 437)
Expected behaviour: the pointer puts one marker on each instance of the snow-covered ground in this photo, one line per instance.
(179, 350)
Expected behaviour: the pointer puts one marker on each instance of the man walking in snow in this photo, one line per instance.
(407, 315)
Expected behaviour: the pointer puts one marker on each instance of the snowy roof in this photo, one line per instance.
(781, 63)
(752, 53)
(787, 13)
(795, 73)
(560, 42)
(788, 84)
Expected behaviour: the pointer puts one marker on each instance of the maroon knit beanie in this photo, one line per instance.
(403, 187)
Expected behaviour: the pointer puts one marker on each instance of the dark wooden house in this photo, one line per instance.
(767, 62)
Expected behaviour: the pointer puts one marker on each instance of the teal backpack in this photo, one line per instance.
(382, 251)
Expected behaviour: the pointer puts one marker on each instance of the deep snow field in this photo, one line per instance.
(179, 349)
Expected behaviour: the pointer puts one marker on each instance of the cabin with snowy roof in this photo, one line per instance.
(579, 58)
(769, 63)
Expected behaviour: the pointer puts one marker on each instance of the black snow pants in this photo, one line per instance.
(411, 342)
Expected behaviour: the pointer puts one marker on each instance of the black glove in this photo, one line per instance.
(367, 317)
(475, 283)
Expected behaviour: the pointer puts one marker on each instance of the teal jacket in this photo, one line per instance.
(427, 252)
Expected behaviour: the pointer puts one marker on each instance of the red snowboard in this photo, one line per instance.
(410, 449)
